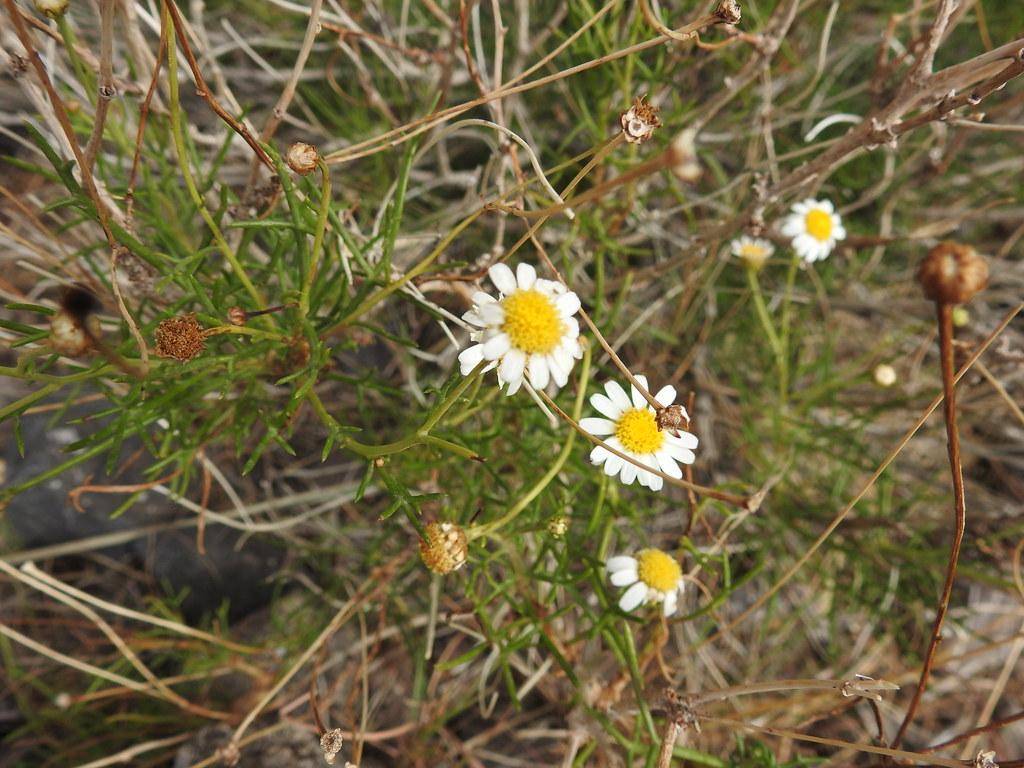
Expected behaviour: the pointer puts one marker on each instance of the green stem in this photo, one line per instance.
(186, 172)
(786, 304)
(524, 501)
(379, 295)
(318, 238)
(82, 72)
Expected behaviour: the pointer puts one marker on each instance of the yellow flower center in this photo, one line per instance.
(658, 570)
(818, 224)
(532, 322)
(753, 251)
(638, 431)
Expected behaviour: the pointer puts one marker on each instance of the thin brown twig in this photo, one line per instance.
(945, 320)
(105, 91)
(203, 90)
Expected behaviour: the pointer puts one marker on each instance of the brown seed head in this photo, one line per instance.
(952, 273)
(302, 158)
(729, 11)
(639, 121)
(672, 418)
(331, 743)
(444, 547)
(237, 316)
(180, 337)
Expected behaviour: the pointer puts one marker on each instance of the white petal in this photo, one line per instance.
(666, 396)
(497, 346)
(599, 454)
(539, 373)
(568, 304)
(470, 358)
(598, 427)
(671, 603)
(838, 230)
(680, 454)
(605, 406)
(492, 314)
(502, 278)
(480, 298)
(618, 396)
(826, 206)
(612, 465)
(526, 275)
(633, 596)
(620, 562)
(668, 465)
(643, 477)
(639, 401)
(792, 226)
(564, 358)
(656, 482)
(625, 577)
(558, 372)
(628, 473)
(685, 439)
(512, 366)
(513, 387)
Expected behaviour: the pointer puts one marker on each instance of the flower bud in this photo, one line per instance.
(952, 273)
(71, 335)
(52, 8)
(237, 316)
(444, 547)
(729, 12)
(885, 375)
(302, 158)
(682, 156)
(558, 526)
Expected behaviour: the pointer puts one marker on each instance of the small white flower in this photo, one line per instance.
(885, 375)
(652, 576)
(528, 331)
(815, 228)
(631, 427)
(753, 251)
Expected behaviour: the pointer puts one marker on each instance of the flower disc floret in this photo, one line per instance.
(637, 430)
(532, 322)
(658, 570)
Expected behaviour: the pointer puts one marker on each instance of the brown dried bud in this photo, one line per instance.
(72, 334)
(729, 12)
(558, 526)
(331, 743)
(180, 337)
(52, 8)
(302, 158)
(672, 418)
(237, 316)
(444, 547)
(682, 156)
(952, 273)
(639, 121)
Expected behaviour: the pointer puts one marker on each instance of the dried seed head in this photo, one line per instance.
(986, 759)
(952, 273)
(72, 335)
(885, 375)
(729, 12)
(682, 156)
(237, 316)
(558, 526)
(52, 8)
(180, 337)
(444, 547)
(302, 158)
(672, 418)
(639, 121)
(331, 743)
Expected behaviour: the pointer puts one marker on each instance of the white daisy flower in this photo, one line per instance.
(631, 427)
(752, 251)
(815, 228)
(528, 331)
(652, 576)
